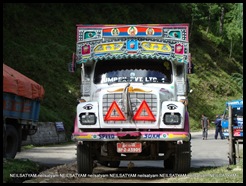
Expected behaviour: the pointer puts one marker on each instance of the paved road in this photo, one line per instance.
(205, 153)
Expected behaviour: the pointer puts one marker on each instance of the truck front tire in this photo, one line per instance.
(114, 164)
(12, 141)
(84, 159)
(183, 158)
(180, 161)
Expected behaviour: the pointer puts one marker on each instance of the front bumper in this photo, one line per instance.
(131, 136)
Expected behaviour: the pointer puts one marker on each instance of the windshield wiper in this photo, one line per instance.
(112, 82)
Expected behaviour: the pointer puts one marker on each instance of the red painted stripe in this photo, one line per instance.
(125, 29)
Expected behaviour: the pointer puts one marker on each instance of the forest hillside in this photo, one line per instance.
(39, 39)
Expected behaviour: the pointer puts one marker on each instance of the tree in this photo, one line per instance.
(234, 26)
(213, 9)
(222, 15)
(196, 10)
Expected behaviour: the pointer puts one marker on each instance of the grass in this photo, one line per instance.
(13, 167)
(224, 174)
(26, 147)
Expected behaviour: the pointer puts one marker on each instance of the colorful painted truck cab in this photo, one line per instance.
(134, 87)
(21, 106)
(237, 119)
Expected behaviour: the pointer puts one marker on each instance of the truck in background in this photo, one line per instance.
(237, 119)
(134, 95)
(232, 128)
(21, 106)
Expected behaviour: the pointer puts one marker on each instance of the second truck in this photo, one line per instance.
(134, 95)
(237, 118)
(21, 106)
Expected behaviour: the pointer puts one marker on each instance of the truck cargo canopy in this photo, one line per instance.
(17, 83)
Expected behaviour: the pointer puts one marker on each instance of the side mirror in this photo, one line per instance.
(72, 65)
(190, 68)
(190, 65)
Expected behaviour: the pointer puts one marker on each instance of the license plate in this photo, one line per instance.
(237, 132)
(128, 147)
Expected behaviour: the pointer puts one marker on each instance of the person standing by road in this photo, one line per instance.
(218, 127)
(205, 124)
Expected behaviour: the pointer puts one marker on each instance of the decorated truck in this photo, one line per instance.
(21, 105)
(237, 119)
(134, 95)
(232, 128)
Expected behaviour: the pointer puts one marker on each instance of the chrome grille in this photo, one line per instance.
(136, 100)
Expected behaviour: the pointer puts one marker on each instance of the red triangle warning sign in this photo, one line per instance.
(141, 113)
(117, 116)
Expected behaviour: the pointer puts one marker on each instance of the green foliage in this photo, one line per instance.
(14, 167)
(39, 39)
(217, 40)
(234, 22)
(238, 78)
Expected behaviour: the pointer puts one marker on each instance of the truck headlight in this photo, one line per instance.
(88, 118)
(172, 118)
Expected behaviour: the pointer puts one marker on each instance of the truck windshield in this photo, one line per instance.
(237, 111)
(132, 70)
